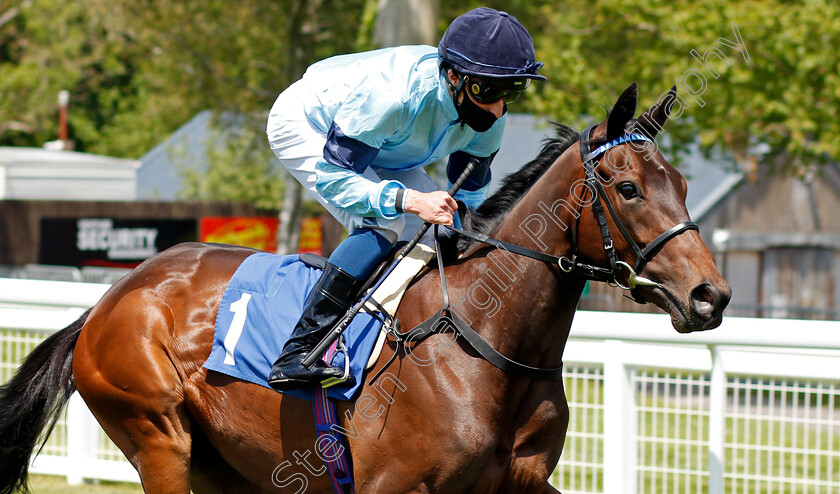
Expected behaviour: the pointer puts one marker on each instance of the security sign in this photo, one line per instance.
(109, 241)
(117, 243)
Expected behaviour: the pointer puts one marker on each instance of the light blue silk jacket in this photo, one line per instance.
(388, 109)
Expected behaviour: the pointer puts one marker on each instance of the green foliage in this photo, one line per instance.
(47, 46)
(785, 97)
(138, 70)
(239, 168)
(364, 39)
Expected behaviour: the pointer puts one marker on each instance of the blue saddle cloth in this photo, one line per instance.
(262, 303)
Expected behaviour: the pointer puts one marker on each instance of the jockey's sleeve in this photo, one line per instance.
(474, 190)
(340, 182)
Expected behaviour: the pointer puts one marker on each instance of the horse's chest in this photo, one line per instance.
(512, 455)
(446, 434)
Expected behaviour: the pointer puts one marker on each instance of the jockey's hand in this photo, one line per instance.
(436, 207)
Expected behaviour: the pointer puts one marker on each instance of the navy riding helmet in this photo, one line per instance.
(492, 45)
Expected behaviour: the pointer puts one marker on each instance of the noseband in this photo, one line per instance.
(590, 158)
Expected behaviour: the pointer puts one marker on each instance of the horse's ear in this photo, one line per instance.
(622, 112)
(652, 121)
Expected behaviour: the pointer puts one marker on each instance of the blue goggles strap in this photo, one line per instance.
(603, 148)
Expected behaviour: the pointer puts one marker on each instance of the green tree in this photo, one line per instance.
(138, 70)
(778, 110)
(47, 46)
(240, 169)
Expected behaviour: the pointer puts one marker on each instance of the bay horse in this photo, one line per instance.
(459, 425)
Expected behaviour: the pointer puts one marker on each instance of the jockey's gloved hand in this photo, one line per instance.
(436, 207)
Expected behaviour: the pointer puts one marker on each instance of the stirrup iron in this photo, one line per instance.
(332, 381)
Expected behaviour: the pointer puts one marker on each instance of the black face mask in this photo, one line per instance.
(479, 119)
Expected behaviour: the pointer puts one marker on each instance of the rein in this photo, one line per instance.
(448, 318)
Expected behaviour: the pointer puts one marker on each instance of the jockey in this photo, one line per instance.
(356, 131)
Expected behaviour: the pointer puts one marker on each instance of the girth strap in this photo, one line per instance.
(338, 460)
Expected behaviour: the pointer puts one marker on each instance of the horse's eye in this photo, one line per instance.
(628, 190)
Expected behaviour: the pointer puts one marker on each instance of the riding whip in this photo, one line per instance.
(339, 328)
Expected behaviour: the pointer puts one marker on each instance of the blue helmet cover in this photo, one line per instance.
(489, 43)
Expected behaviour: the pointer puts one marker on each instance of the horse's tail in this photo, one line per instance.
(32, 402)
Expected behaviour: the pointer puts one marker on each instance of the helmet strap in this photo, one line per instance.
(462, 80)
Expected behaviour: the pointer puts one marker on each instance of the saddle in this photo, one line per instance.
(387, 297)
(264, 300)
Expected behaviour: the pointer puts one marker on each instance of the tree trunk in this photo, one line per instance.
(407, 22)
(303, 26)
(288, 232)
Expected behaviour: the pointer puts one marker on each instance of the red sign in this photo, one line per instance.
(255, 232)
(310, 236)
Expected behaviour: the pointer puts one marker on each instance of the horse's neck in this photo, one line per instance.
(542, 300)
(543, 219)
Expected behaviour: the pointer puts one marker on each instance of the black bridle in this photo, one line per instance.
(572, 264)
(589, 158)
(448, 318)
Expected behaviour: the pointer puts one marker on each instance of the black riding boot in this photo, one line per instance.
(327, 302)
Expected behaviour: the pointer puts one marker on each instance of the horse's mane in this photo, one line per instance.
(513, 187)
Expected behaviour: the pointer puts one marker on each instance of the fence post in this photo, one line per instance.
(717, 421)
(620, 421)
(81, 439)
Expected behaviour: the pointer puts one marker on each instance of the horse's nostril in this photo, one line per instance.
(703, 299)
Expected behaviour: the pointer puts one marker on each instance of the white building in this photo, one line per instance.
(34, 173)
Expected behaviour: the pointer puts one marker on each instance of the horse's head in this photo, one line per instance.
(643, 200)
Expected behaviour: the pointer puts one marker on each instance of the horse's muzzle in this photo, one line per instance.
(706, 304)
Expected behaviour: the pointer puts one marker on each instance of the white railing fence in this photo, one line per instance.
(753, 406)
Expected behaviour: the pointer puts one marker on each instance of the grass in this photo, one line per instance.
(51, 484)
